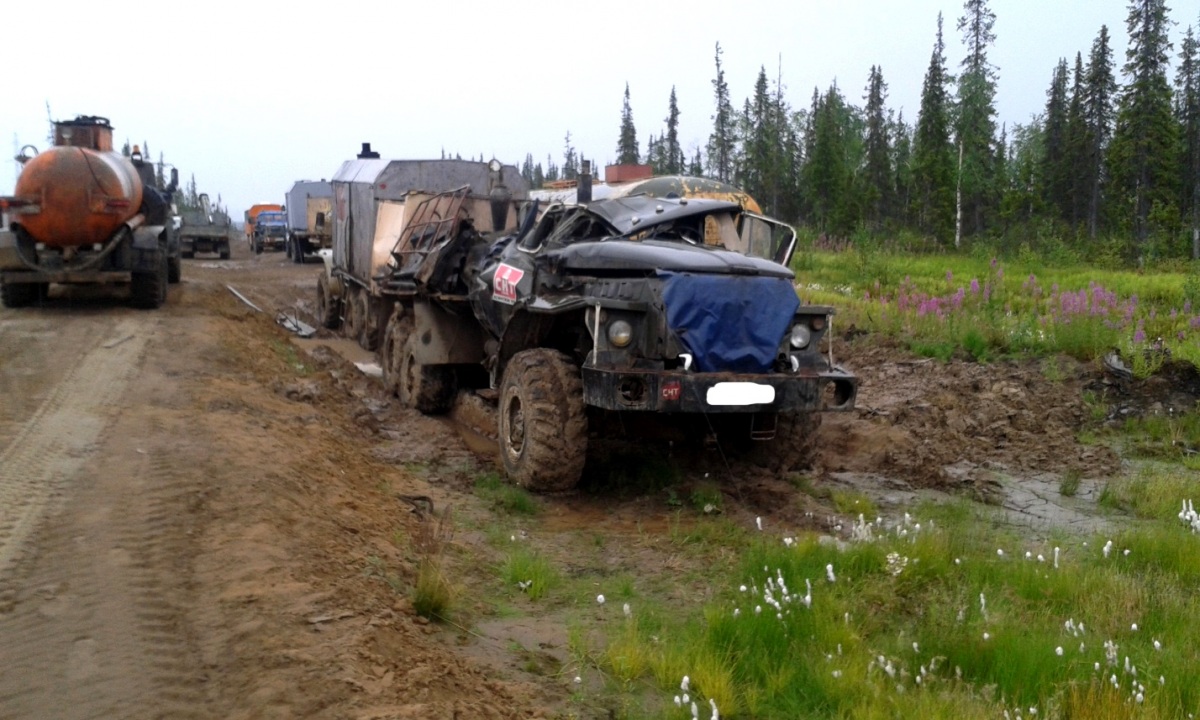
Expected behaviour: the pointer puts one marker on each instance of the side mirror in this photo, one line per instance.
(174, 179)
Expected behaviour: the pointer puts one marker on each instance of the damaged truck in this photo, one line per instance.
(669, 311)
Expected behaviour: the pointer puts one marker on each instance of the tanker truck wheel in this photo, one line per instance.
(16, 295)
(174, 270)
(327, 305)
(148, 290)
(543, 429)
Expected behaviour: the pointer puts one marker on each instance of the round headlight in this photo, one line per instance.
(620, 333)
(801, 336)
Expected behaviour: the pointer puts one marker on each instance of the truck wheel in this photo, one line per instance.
(427, 388)
(543, 429)
(392, 352)
(258, 247)
(16, 295)
(327, 305)
(298, 252)
(372, 333)
(174, 270)
(225, 251)
(148, 290)
(287, 246)
(354, 309)
(794, 445)
(187, 255)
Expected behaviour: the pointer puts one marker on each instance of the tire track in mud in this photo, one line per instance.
(56, 440)
(94, 626)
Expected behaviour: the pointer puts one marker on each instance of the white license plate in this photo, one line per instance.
(740, 393)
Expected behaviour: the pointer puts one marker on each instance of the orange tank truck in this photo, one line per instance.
(252, 215)
(82, 213)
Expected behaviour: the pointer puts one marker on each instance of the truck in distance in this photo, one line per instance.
(204, 229)
(309, 207)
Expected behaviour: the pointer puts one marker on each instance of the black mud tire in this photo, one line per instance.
(429, 389)
(187, 255)
(224, 252)
(287, 248)
(391, 352)
(258, 247)
(542, 425)
(174, 270)
(19, 295)
(794, 446)
(327, 305)
(298, 252)
(148, 290)
(371, 336)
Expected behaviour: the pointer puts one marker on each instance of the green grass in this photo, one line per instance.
(505, 497)
(528, 571)
(1008, 315)
(852, 653)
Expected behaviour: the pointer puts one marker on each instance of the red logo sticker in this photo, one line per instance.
(671, 390)
(504, 283)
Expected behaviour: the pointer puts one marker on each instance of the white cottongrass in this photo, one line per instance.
(829, 573)
(758, 523)
(1188, 516)
(627, 610)
(1107, 548)
(600, 599)
(1058, 651)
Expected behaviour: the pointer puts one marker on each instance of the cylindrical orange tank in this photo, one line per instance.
(84, 195)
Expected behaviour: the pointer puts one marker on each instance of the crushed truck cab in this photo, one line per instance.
(681, 309)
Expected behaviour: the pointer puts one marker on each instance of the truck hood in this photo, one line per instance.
(656, 255)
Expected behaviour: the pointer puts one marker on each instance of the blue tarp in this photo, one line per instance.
(730, 323)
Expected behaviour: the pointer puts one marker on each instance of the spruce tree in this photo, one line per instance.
(672, 152)
(1187, 81)
(1054, 175)
(570, 168)
(1143, 152)
(722, 141)
(876, 193)
(627, 143)
(932, 158)
(1100, 92)
(1078, 144)
(828, 175)
(901, 161)
(975, 135)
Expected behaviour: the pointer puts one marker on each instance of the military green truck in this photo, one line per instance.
(204, 230)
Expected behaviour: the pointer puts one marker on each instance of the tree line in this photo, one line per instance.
(1112, 163)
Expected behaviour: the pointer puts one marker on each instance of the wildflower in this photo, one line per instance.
(742, 588)
(829, 573)
(737, 612)
(1157, 645)
(678, 701)
(836, 674)
(916, 648)
(987, 636)
(600, 599)
(1056, 557)
(1041, 558)
(685, 683)
(627, 611)
(713, 704)
(695, 712)
(687, 698)
(758, 609)
(758, 522)
(1126, 552)
(974, 286)
(578, 679)
(1107, 548)
(1133, 627)
(1058, 651)
(949, 276)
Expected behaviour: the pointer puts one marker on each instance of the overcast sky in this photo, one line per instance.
(252, 96)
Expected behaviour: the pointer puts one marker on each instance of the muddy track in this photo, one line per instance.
(90, 616)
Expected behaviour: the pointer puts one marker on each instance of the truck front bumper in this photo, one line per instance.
(693, 392)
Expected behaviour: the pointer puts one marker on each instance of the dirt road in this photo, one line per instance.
(199, 518)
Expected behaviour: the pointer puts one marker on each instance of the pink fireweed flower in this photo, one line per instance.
(949, 276)
(974, 286)
(1139, 336)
